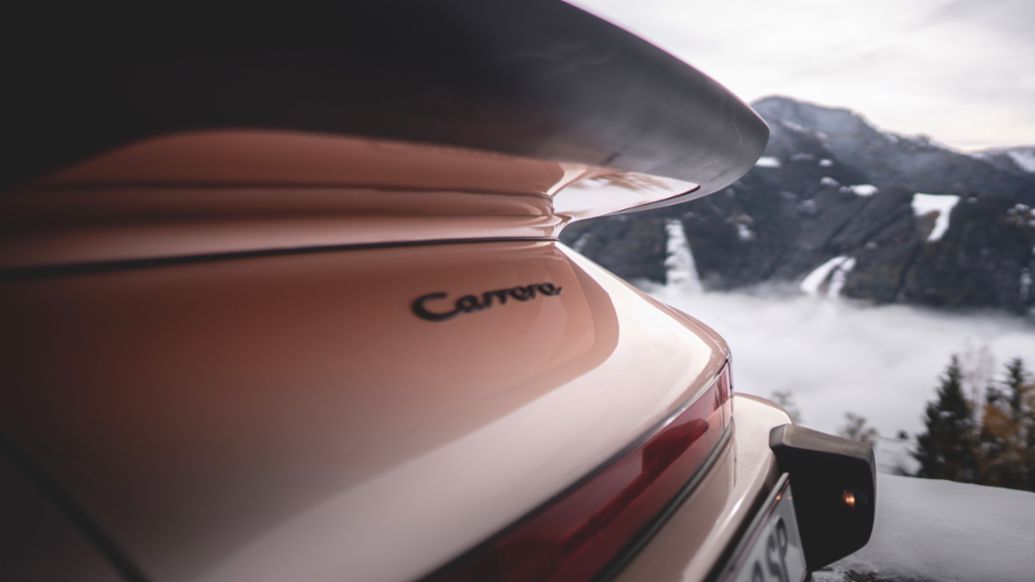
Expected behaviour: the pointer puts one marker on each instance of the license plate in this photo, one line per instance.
(771, 551)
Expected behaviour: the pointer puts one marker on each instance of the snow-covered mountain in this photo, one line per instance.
(839, 206)
(1016, 159)
(888, 159)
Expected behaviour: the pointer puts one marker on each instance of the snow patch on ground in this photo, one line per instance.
(1023, 158)
(767, 162)
(1021, 215)
(744, 233)
(939, 530)
(942, 204)
(829, 278)
(794, 127)
(581, 242)
(863, 189)
(681, 271)
(802, 157)
(828, 181)
(808, 207)
(839, 276)
(1021, 209)
(826, 163)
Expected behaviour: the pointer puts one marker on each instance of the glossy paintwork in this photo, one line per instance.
(288, 417)
(206, 307)
(243, 191)
(540, 79)
(692, 541)
(579, 532)
(37, 540)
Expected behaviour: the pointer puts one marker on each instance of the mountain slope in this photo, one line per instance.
(887, 158)
(832, 185)
(1018, 160)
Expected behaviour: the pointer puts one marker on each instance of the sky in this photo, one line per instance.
(960, 71)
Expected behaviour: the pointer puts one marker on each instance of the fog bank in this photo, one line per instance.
(837, 356)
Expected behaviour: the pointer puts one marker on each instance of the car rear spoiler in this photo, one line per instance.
(537, 79)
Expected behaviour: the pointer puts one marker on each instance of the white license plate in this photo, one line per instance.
(773, 550)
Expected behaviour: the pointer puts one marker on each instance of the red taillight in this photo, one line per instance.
(576, 534)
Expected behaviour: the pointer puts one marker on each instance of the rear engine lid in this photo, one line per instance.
(294, 417)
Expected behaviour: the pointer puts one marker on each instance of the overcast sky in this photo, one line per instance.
(961, 71)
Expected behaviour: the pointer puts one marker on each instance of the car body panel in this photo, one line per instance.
(537, 79)
(219, 192)
(291, 307)
(40, 540)
(161, 395)
(710, 519)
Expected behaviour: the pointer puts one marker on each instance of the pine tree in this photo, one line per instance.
(1029, 428)
(1021, 450)
(947, 448)
(1016, 380)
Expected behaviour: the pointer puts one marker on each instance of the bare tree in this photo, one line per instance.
(786, 399)
(978, 370)
(857, 429)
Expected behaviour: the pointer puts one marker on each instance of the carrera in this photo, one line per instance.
(469, 303)
(208, 262)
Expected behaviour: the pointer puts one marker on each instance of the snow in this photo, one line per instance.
(828, 181)
(808, 207)
(1023, 158)
(767, 162)
(942, 204)
(681, 271)
(863, 189)
(832, 274)
(802, 157)
(581, 242)
(839, 276)
(826, 163)
(794, 127)
(939, 530)
(1021, 215)
(744, 233)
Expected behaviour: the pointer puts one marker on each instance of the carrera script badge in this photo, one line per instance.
(439, 307)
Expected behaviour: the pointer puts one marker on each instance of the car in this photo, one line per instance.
(285, 300)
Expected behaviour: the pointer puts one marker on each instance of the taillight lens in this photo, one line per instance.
(576, 534)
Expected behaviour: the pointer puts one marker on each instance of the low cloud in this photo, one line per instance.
(882, 362)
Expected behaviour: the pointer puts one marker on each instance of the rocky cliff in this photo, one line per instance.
(838, 206)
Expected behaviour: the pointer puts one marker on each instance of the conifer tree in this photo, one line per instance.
(1020, 454)
(947, 447)
(1016, 380)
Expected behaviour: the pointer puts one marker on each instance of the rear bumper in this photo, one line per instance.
(708, 535)
(697, 535)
